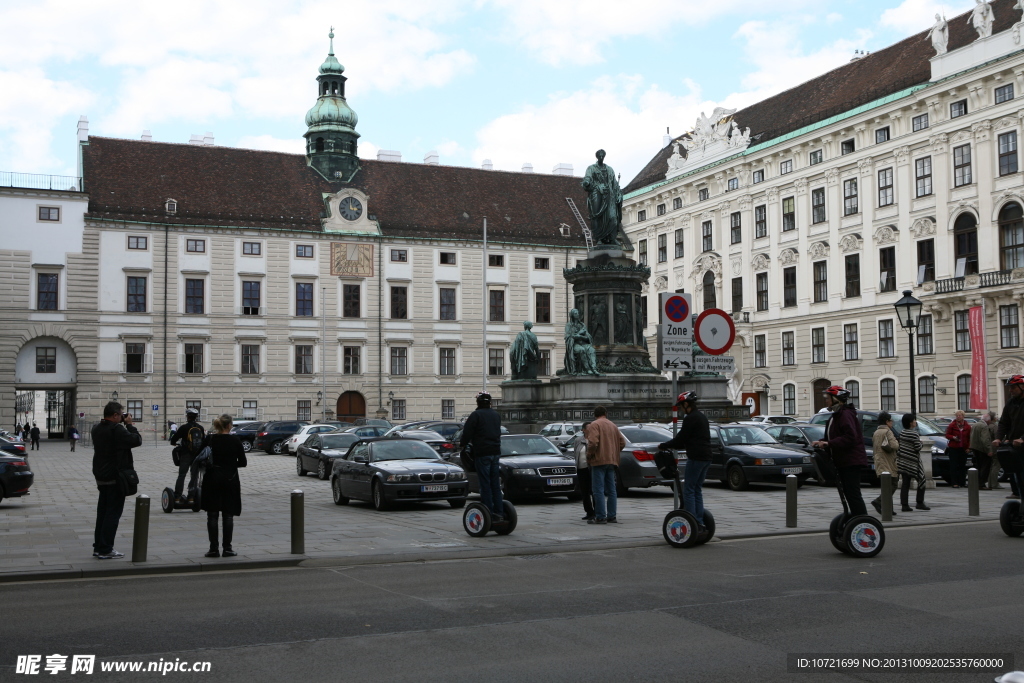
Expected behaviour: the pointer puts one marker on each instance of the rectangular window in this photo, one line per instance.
(786, 167)
(820, 281)
(304, 299)
(136, 295)
(885, 193)
(919, 122)
(818, 205)
(47, 291)
(1011, 243)
(249, 410)
(642, 252)
(447, 408)
(400, 255)
(46, 359)
(641, 216)
(134, 358)
(705, 236)
(789, 399)
(495, 260)
(251, 298)
(497, 305)
(788, 214)
(250, 359)
(887, 269)
(304, 359)
(850, 345)
(138, 242)
(398, 409)
(399, 303)
(734, 184)
(760, 353)
(541, 264)
(194, 403)
(788, 348)
(49, 213)
(815, 157)
(789, 286)
(662, 247)
(193, 359)
(881, 135)
(850, 204)
(926, 394)
(446, 361)
(962, 330)
(643, 311)
(817, 344)
(351, 364)
(963, 392)
(304, 410)
(958, 109)
(923, 176)
(447, 258)
(962, 165)
(735, 228)
(351, 304)
(703, 193)
(544, 363)
(925, 261)
(888, 392)
(679, 243)
(446, 310)
(1009, 327)
(677, 203)
(758, 176)
(1004, 93)
(661, 209)
(134, 408)
(852, 275)
(925, 340)
(496, 362)
(762, 291)
(399, 360)
(1008, 153)
(886, 339)
(543, 307)
(847, 147)
(252, 248)
(737, 294)
(194, 296)
(760, 221)
(195, 246)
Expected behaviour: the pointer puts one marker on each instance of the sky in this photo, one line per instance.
(514, 81)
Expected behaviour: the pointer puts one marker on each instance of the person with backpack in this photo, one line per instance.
(191, 435)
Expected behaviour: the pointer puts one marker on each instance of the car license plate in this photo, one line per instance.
(560, 482)
(792, 470)
(436, 488)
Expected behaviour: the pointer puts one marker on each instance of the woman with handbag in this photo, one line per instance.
(908, 462)
(221, 489)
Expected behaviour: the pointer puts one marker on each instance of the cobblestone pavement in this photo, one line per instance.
(52, 528)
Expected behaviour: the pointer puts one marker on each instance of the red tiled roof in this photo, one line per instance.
(876, 75)
(226, 186)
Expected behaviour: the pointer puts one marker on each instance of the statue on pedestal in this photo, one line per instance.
(604, 201)
(939, 34)
(982, 18)
(580, 357)
(525, 353)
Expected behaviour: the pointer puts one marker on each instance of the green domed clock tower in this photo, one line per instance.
(331, 136)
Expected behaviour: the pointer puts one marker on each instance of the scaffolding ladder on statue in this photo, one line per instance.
(583, 224)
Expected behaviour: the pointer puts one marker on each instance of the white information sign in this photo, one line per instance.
(675, 352)
(723, 365)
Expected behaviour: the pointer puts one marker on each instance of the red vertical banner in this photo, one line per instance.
(979, 366)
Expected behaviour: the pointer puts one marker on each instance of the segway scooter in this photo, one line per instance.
(169, 503)
(477, 520)
(680, 528)
(860, 536)
(1011, 515)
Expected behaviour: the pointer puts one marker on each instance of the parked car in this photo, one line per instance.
(444, 447)
(406, 426)
(770, 419)
(530, 465)
(366, 431)
(636, 460)
(360, 421)
(445, 429)
(15, 476)
(272, 435)
(246, 431)
(559, 433)
(337, 424)
(457, 437)
(291, 444)
(389, 471)
(318, 452)
(741, 454)
(9, 446)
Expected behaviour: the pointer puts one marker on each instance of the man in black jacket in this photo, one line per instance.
(1011, 429)
(34, 433)
(695, 437)
(113, 440)
(192, 435)
(483, 432)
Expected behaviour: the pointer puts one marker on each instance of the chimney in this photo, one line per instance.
(388, 155)
(147, 136)
(666, 139)
(195, 139)
(432, 159)
(562, 169)
(83, 128)
(487, 165)
(208, 138)
(527, 167)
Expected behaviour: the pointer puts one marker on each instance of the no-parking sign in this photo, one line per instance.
(675, 343)
(714, 331)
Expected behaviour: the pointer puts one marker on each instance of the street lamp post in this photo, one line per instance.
(908, 310)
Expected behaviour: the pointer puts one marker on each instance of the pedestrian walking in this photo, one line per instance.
(583, 475)
(73, 436)
(222, 490)
(884, 444)
(1010, 435)
(482, 433)
(113, 440)
(34, 433)
(844, 440)
(982, 434)
(25, 433)
(604, 444)
(172, 429)
(908, 460)
(959, 435)
(695, 438)
(17, 429)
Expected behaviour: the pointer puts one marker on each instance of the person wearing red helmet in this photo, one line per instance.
(695, 437)
(1011, 429)
(844, 440)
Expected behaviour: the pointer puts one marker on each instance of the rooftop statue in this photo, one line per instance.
(525, 353)
(939, 34)
(982, 18)
(604, 201)
(580, 357)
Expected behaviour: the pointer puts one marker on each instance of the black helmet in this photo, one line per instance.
(483, 399)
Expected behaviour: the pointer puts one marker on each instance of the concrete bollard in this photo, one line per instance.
(973, 509)
(886, 496)
(298, 524)
(140, 537)
(791, 483)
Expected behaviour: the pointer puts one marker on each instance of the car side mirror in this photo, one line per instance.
(360, 458)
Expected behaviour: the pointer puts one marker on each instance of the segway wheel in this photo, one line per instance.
(511, 519)
(709, 528)
(680, 529)
(835, 533)
(167, 500)
(1009, 518)
(864, 536)
(476, 520)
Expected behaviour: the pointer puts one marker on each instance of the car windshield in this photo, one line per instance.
(745, 435)
(646, 434)
(925, 427)
(815, 433)
(519, 445)
(402, 449)
(338, 440)
(422, 435)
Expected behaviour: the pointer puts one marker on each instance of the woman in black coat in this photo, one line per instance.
(222, 491)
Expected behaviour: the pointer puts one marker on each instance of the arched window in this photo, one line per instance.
(789, 399)
(1011, 236)
(327, 88)
(319, 144)
(853, 386)
(965, 242)
(888, 390)
(963, 392)
(709, 291)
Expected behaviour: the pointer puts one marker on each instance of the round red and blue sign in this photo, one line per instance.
(676, 309)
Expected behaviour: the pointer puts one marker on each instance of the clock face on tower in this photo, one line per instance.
(350, 208)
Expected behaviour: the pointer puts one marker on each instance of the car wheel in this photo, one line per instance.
(339, 497)
(457, 502)
(737, 481)
(277, 448)
(299, 469)
(321, 471)
(247, 446)
(379, 501)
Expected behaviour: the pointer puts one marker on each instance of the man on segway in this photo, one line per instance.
(695, 437)
(1010, 433)
(844, 440)
(482, 432)
(191, 435)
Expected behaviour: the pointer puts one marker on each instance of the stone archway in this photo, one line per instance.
(351, 405)
(45, 378)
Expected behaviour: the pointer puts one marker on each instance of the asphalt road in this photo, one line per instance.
(728, 611)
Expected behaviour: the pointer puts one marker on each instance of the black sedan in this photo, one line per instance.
(444, 447)
(15, 476)
(389, 471)
(318, 452)
(741, 454)
(11, 447)
(530, 465)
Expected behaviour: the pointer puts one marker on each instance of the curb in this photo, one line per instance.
(143, 570)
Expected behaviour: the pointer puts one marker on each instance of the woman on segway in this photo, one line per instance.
(844, 440)
(1010, 434)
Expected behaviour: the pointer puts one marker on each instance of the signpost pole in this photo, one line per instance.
(675, 409)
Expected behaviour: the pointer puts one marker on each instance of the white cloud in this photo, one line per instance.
(272, 144)
(914, 16)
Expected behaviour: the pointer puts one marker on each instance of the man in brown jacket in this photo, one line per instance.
(604, 443)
